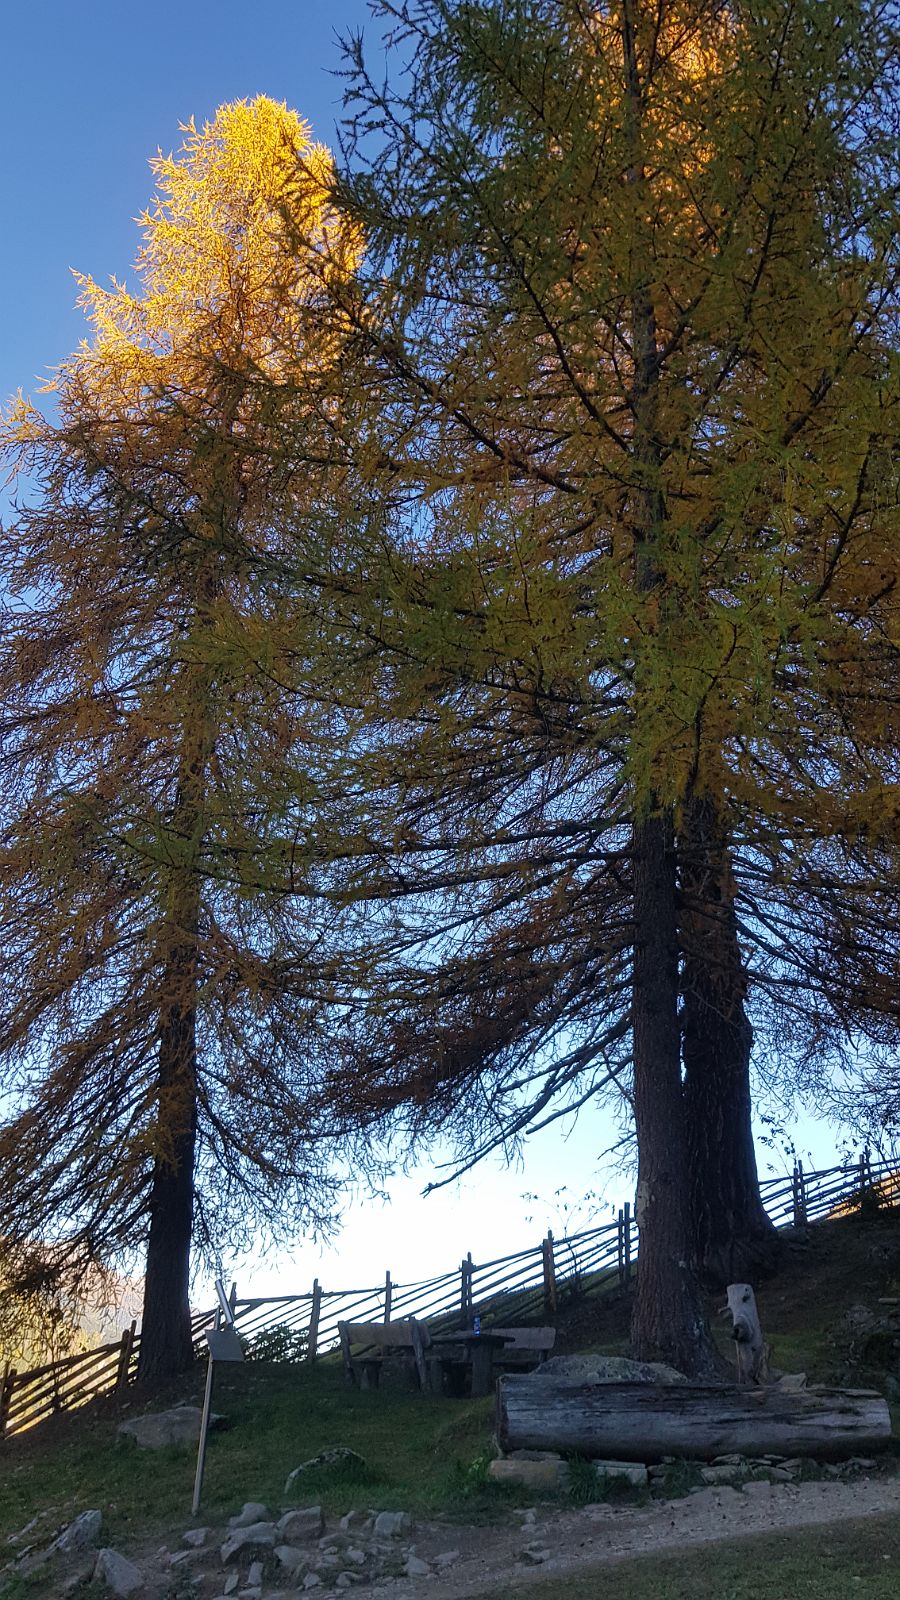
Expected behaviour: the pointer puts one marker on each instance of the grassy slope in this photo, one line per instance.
(422, 1453)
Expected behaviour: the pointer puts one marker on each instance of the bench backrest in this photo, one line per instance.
(396, 1335)
(527, 1339)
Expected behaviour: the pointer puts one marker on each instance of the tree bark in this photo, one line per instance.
(166, 1347)
(668, 1321)
(644, 1421)
(733, 1239)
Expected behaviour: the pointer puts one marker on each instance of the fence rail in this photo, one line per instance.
(525, 1285)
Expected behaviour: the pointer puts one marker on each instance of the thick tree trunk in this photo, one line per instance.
(668, 1322)
(644, 1421)
(166, 1347)
(734, 1241)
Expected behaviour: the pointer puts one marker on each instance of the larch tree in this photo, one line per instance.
(162, 742)
(632, 271)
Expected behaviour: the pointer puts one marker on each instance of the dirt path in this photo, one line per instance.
(491, 1560)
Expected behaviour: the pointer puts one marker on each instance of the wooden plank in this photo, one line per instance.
(645, 1421)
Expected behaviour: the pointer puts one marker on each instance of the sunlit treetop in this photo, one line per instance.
(237, 242)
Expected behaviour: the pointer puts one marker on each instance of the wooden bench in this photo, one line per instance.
(525, 1348)
(372, 1340)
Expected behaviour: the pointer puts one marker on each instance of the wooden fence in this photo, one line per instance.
(529, 1285)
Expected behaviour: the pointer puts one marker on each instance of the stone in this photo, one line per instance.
(120, 1575)
(245, 1541)
(249, 1513)
(312, 1581)
(81, 1534)
(633, 1472)
(255, 1575)
(339, 1456)
(534, 1556)
(447, 1558)
(232, 1582)
(415, 1567)
(391, 1524)
(157, 1429)
(343, 1581)
(358, 1557)
(729, 1461)
(605, 1369)
(195, 1537)
(356, 1520)
(781, 1474)
(306, 1522)
(549, 1473)
(715, 1475)
(289, 1557)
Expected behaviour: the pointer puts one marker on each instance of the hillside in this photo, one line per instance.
(423, 1455)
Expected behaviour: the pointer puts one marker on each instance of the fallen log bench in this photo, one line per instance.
(645, 1421)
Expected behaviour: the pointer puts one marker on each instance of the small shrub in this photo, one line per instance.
(279, 1343)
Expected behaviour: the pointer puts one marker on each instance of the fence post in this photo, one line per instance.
(549, 1276)
(620, 1246)
(799, 1188)
(125, 1349)
(465, 1287)
(388, 1289)
(7, 1384)
(627, 1240)
(314, 1310)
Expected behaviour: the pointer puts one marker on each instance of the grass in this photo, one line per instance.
(418, 1453)
(855, 1561)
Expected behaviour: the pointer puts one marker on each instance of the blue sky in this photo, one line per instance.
(89, 92)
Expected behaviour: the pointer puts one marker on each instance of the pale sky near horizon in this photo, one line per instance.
(89, 92)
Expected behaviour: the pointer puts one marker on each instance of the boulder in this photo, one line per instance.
(297, 1526)
(290, 1558)
(81, 1534)
(339, 1455)
(252, 1511)
(157, 1429)
(120, 1575)
(248, 1542)
(391, 1524)
(533, 1470)
(605, 1369)
(415, 1567)
(633, 1472)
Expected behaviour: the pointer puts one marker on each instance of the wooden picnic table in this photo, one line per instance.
(451, 1354)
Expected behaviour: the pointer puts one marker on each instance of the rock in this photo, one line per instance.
(359, 1520)
(343, 1581)
(715, 1475)
(447, 1558)
(305, 1523)
(312, 1581)
(289, 1557)
(534, 1556)
(358, 1557)
(231, 1582)
(120, 1575)
(81, 1534)
(255, 1575)
(791, 1382)
(606, 1369)
(245, 1541)
(157, 1429)
(548, 1472)
(729, 1461)
(391, 1524)
(339, 1456)
(781, 1474)
(195, 1537)
(249, 1513)
(633, 1472)
(415, 1567)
